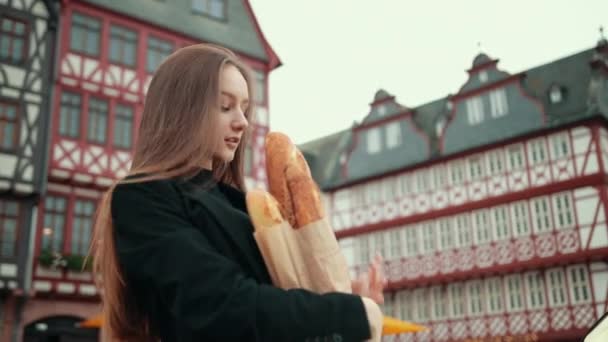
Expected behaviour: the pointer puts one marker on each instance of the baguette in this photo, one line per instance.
(290, 181)
(263, 209)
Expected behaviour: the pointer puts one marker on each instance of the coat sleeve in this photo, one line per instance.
(207, 294)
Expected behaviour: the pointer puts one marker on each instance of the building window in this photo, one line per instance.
(498, 103)
(475, 290)
(69, 116)
(363, 247)
(536, 290)
(13, 40)
(446, 235)
(85, 34)
(556, 94)
(423, 311)
(123, 126)
(463, 230)
(378, 247)
(439, 305)
(521, 225)
(393, 134)
(422, 180)
(542, 222)
(514, 293)
(501, 223)
(439, 176)
(411, 240)
(428, 237)
(563, 211)
(9, 126)
(212, 8)
(538, 153)
(9, 221)
(260, 86)
(457, 297)
(516, 157)
(405, 303)
(372, 193)
(557, 287)
(158, 50)
(494, 295)
(98, 120)
(373, 140)
(482, 227)
(579, 284)
(495, 162)
(457, 172)
(123, 45)
(395, 244)
(82, 226)
(561, 146)
(476, 168)
(475, 111)
(54, 223)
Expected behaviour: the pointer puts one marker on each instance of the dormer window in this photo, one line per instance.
(556, 94)
(373, 140)
(215, 9)
(393, 135)
(483, 77)
(475, 111)
(381, 110)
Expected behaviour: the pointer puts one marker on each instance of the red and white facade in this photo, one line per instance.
(105, 63)
(505, 240)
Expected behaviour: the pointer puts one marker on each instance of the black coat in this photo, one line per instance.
(192, 265)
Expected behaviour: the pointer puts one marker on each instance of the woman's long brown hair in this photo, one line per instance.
(175, 136)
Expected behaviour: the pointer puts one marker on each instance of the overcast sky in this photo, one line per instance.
(337, 53)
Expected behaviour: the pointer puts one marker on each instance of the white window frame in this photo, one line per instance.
(423, 309)
(393, 134)
(556, 285)
(405, 183)
(563, 210)
(475, 112)
(439, 176)
(363, 249)
(411, 241)
(395, 242)
(439, 306)
(541, 215)
(457, 172)
(374, 141)
(483, 226)
(535, 288)
(494, 295)
(500, 217)
(464, 233)
(475, 298)
(446, 234)
(476, 168)
(457, 297)
(379, 245)
(560, 145)
(498, 103)
(537, 150)
(514, 293)
(427, 231)
(579, 285)
(495, 162)
(516, 157)
(422, 180)
(405, 303)
(520, 218)
(373, 192)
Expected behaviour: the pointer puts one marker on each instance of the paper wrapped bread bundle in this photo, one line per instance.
(296, 241)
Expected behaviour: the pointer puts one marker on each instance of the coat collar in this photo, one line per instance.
(231, 219)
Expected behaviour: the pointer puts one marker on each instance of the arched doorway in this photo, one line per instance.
(59, 329)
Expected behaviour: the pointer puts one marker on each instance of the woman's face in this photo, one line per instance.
(231, 123)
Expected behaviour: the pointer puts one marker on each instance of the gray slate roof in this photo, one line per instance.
(237, 33)
(586, 96)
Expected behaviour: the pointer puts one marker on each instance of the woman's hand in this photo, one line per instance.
(371, 283)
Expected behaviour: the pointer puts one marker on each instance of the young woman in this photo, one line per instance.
(173, 248)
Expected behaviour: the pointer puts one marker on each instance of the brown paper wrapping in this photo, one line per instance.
(308, 257)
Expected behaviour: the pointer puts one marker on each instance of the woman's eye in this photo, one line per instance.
(225, 108)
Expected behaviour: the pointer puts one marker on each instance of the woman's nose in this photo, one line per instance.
(241, 122)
